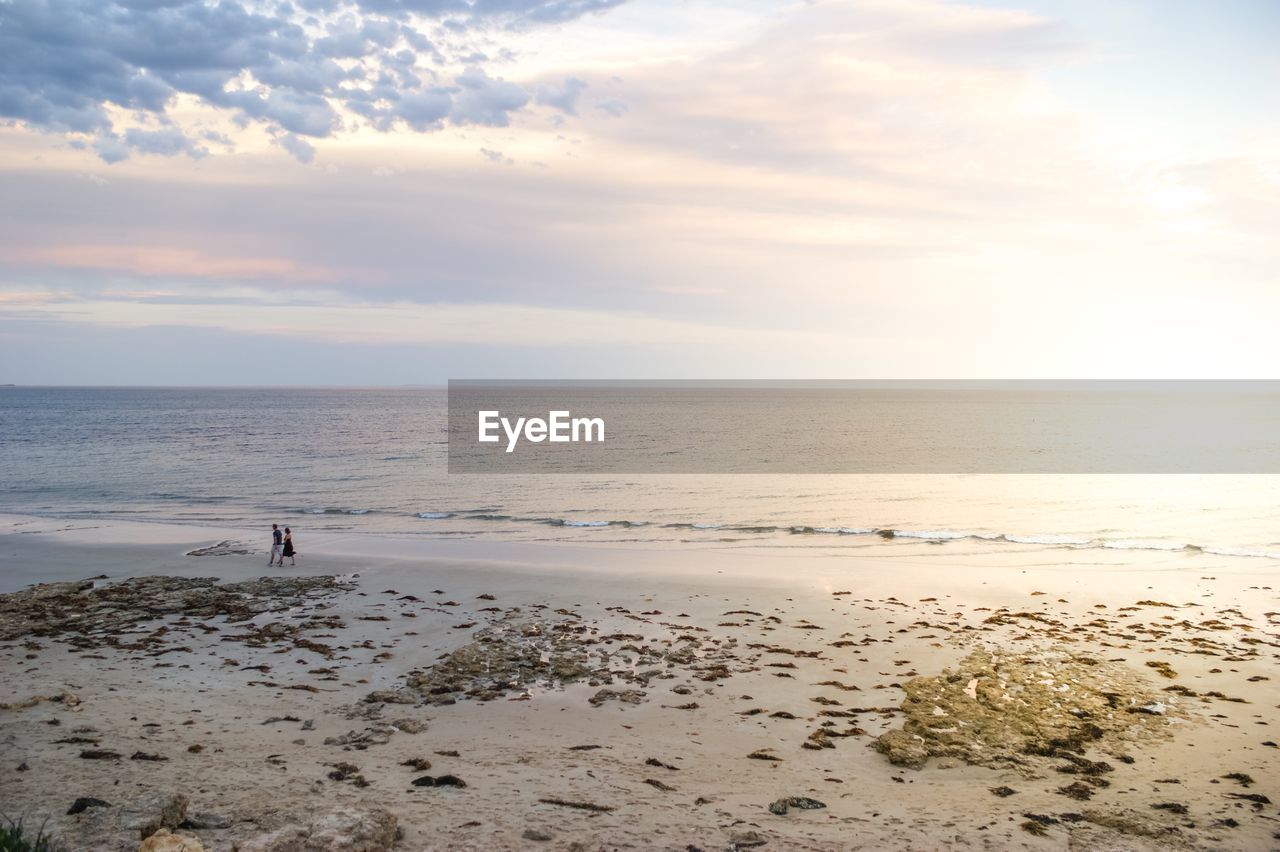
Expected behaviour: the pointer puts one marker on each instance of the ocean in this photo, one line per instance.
(374, 461)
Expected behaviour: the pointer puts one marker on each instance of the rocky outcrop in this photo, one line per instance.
(515, 655)
(97, 824)
(89, 607)
(349, 829)
(167, 841)
(1003, 709)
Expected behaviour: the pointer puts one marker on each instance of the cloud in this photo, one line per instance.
(422, 111)
(167, 141)
(612, 107)
(90, 68)
(484, 101)
(169, 262)
(564, 97)
(513, 14)
(302, 150)
(890, 174)
(384, 323)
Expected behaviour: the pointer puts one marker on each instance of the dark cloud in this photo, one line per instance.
(65, 63)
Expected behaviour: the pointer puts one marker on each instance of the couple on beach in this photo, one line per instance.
(281, 546)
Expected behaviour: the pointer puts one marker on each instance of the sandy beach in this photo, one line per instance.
(410, 694)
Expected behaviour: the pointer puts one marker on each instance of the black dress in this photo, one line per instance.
(288, 547)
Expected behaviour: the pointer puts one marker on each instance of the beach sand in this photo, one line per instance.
(633, 698)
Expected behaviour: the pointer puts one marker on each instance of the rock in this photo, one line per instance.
(348, 772)
(201, 820)
(781, 806)
(67, 699)
(387, 696)
(93, 824)
(357, 830)
(409, 726)
(151, 815)
(348, 829)
(903, 749)
(82, 607)
(514, 654)
(379, 734)
(535, 834)
(439, 781)
(746, 840)
(166, 841)
(996, 708)
(626, 696)
(84, 803)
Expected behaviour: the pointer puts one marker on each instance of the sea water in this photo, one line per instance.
(369, 460)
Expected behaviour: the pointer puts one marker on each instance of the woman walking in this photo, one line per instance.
(288, 548)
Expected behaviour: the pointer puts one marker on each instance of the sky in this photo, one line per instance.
(384, 192)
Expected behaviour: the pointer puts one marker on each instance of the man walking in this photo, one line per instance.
(277, 546)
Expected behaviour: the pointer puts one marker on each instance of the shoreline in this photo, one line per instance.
(879, 625)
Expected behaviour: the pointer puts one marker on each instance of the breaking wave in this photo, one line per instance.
(1049, 540)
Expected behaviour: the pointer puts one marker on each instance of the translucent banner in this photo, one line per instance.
(716, 427)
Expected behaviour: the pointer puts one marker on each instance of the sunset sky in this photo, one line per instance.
(406, 191)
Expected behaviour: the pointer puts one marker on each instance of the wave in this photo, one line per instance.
(832, 530)
(1047, 539)
(937, 536)
(931, 535)
(1241, 551)
(332, 510)
(1139, 544)
(563, 522)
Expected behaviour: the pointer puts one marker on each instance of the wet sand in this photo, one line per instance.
(635, 698)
